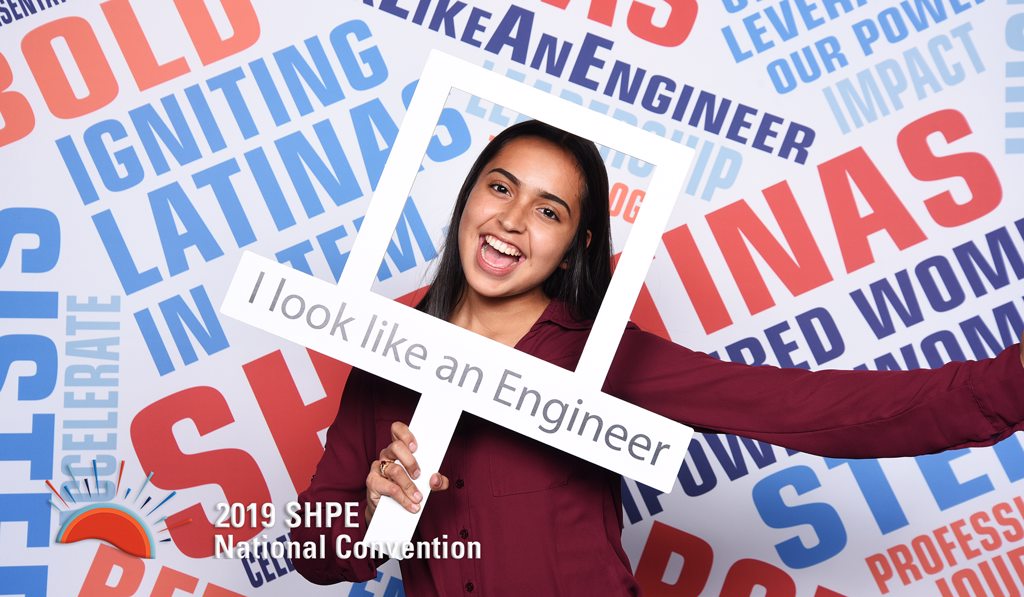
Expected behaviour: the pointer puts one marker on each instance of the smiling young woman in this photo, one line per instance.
(520, 221)
(527, 261)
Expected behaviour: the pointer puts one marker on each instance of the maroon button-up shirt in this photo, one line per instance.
(550, 523)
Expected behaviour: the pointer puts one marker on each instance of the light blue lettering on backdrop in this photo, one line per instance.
(99, 491)
(878, 90)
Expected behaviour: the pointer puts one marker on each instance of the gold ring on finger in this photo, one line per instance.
(384, 464)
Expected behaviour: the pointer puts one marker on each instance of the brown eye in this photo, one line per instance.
(497, 186)
(549, 213)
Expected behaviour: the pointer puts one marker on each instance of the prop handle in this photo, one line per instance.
(433, 424)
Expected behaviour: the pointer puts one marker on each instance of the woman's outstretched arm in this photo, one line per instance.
(341, 477)
(847, 414)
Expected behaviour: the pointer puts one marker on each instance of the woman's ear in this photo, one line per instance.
(588, 239)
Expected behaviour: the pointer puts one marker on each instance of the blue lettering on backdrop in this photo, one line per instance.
(947, 489)
(32, 348)
(877, 492)
(170, 205)
(37, 349)
(300, 159)
(710, 173)
(394, 587)
(593, 68)
(1011, 456)
(34, 221)
(36, 446)
(31, 508)
(29, 581)
(179, 317)
(154, 132)
(942, 282)
(697, 476)
(816, 328)
(777, 514)
(218, 178)
(121, 154)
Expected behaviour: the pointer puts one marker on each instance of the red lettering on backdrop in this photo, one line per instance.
(682, 15)
(130, 572)
(94, 69)
(231, 469)
(293, 423)
(209, 44)
(645, 314)
(852, 228)
(974, 168)
(696, 278)
(641, 19)
(148, 72)
(601, 11)
(736, 225)
(881, 571)
(746, 575)
(664, 542)
(15, 111)
(213, 590)
(49, 73)
(169, 581)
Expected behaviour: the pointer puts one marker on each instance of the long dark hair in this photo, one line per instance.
(583, 283)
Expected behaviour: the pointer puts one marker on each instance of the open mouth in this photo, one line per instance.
(497, 255)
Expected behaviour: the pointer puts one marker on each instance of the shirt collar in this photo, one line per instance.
(559, 313)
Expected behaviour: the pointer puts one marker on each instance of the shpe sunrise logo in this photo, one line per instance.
(122, 525)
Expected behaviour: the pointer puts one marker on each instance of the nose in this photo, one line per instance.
(513, 217)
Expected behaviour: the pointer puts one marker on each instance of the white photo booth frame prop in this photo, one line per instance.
(342, 321)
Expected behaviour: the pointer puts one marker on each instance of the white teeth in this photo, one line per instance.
(502, 246)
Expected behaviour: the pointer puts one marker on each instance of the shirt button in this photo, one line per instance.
(459, 483)
(464, 534)
(469, 587)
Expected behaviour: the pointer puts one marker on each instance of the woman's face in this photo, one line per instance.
(520, 219)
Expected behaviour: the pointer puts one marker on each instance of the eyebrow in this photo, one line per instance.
(545, 194)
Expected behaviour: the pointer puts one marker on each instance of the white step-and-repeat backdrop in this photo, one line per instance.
(854, 203)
